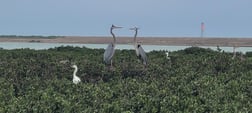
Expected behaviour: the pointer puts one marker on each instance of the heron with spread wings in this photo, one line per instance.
(139, 50)
(110, 50)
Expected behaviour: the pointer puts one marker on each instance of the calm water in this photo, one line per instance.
(147, 48)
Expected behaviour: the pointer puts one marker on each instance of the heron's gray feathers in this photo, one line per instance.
(108, 54)
(137, 51)
(142, 55)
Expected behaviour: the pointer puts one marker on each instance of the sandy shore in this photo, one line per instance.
(178, 41)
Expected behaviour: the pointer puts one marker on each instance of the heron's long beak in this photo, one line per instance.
(118, 27)
(115, 27)
(134, 28)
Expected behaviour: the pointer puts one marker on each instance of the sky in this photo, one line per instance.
(155, 18)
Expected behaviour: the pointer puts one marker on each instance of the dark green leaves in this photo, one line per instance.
(192, 80)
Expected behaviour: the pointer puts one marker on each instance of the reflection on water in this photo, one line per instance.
(147, 48)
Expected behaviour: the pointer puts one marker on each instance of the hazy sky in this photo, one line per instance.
(231, 18)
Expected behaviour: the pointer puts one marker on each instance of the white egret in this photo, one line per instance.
(167, 55)
(76, 79)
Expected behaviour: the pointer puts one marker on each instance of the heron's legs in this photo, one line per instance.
(111, 66)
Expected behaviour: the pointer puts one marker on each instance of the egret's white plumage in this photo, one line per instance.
(76, 79)
(167, 55)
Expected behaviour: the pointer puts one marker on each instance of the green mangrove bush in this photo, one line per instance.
(192, 80)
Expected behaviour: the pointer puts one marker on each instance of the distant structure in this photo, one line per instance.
(202, 29)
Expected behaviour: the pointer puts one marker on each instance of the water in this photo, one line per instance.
(147, 48)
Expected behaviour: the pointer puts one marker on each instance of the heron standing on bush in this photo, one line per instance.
(139, 50)
(76, 79)
(109, 52)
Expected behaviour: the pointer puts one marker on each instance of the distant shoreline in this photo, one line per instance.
(171, 41)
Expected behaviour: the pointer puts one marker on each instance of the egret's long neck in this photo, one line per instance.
(135, 38)
(111, 31)
(75, 71)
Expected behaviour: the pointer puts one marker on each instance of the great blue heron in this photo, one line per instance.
(139, 50)
(109, 52)
(76, 79)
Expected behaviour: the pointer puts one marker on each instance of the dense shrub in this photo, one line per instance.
(249, 54)
(192, 80)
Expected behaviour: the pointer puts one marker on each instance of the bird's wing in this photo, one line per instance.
(137, 50)
(142, 54)
(108, 54)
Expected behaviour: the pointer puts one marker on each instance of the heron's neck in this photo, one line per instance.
(111, 31)
(135, 38)
(75, 71)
